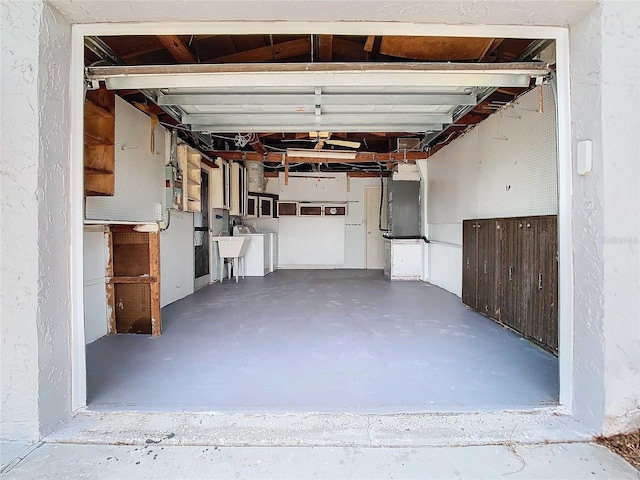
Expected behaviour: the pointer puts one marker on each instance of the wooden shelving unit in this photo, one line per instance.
(190, 164)
(133, 290)
(99, 139)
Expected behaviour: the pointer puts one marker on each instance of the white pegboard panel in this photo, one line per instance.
(139, 178)
(517, 159)
(314, 187)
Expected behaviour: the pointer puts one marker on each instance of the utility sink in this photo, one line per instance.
(231, 247)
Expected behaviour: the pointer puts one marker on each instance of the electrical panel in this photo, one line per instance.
(173, 183)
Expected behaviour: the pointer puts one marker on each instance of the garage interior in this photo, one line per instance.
(302, 137)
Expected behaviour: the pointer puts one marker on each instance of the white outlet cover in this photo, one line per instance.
(584, 157)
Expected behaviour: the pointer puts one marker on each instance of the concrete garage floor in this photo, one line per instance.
(320, 341)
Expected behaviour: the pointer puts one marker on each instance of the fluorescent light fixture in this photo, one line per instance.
(320, 154)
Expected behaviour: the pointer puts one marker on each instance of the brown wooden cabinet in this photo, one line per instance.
(133, 290)
(99, 140)
(510, 274)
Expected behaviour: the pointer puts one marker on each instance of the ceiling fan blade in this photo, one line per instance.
(343, 143)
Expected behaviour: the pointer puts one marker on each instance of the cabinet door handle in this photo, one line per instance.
(540, 281)
(485, 267)
(468, 266)
(510, 272)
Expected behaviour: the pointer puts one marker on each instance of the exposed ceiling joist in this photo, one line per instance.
(361, 157)
(177, 49)
(277, 52)
(435, 48)
(491, 47)
(326, 48)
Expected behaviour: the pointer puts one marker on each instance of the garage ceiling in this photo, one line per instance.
(279, 90)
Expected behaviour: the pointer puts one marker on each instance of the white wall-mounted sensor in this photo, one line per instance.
(584, 157)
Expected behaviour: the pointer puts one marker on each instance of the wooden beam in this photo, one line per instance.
(154, 271)
(111, 302)
(286, 171)
(349, 49)
(490, 49)
(280, 51)
(361, 157)
(368, 46)
(368, 174)
(131, 47)
(511, 91)
(257, 145)
(326, 48)
(208, 163)
(435, 48)
(177, 49)
(386, 173)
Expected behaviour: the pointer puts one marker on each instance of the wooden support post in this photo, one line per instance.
(111, 304)
(154, 266)
(286, 170)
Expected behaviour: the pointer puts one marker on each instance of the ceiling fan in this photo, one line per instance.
(324, 138)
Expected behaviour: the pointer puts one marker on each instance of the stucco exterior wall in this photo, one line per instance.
(35, 284)
(54, 232)
(588, 222)
(620, 123)
(604, 73)
(19, 219)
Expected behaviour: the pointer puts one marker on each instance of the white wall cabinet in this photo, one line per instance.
(220, 184)
(238, 190)
(403, 259)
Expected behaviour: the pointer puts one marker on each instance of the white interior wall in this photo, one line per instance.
(423, 168)
(312, 242)
(354, 223)
(506, 166)
(95, 258)
(517, 159)
(177, 258)
(452, 196)
(314, 187)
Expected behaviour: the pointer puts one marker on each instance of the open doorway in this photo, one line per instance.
(345, 234)
(201, 235)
